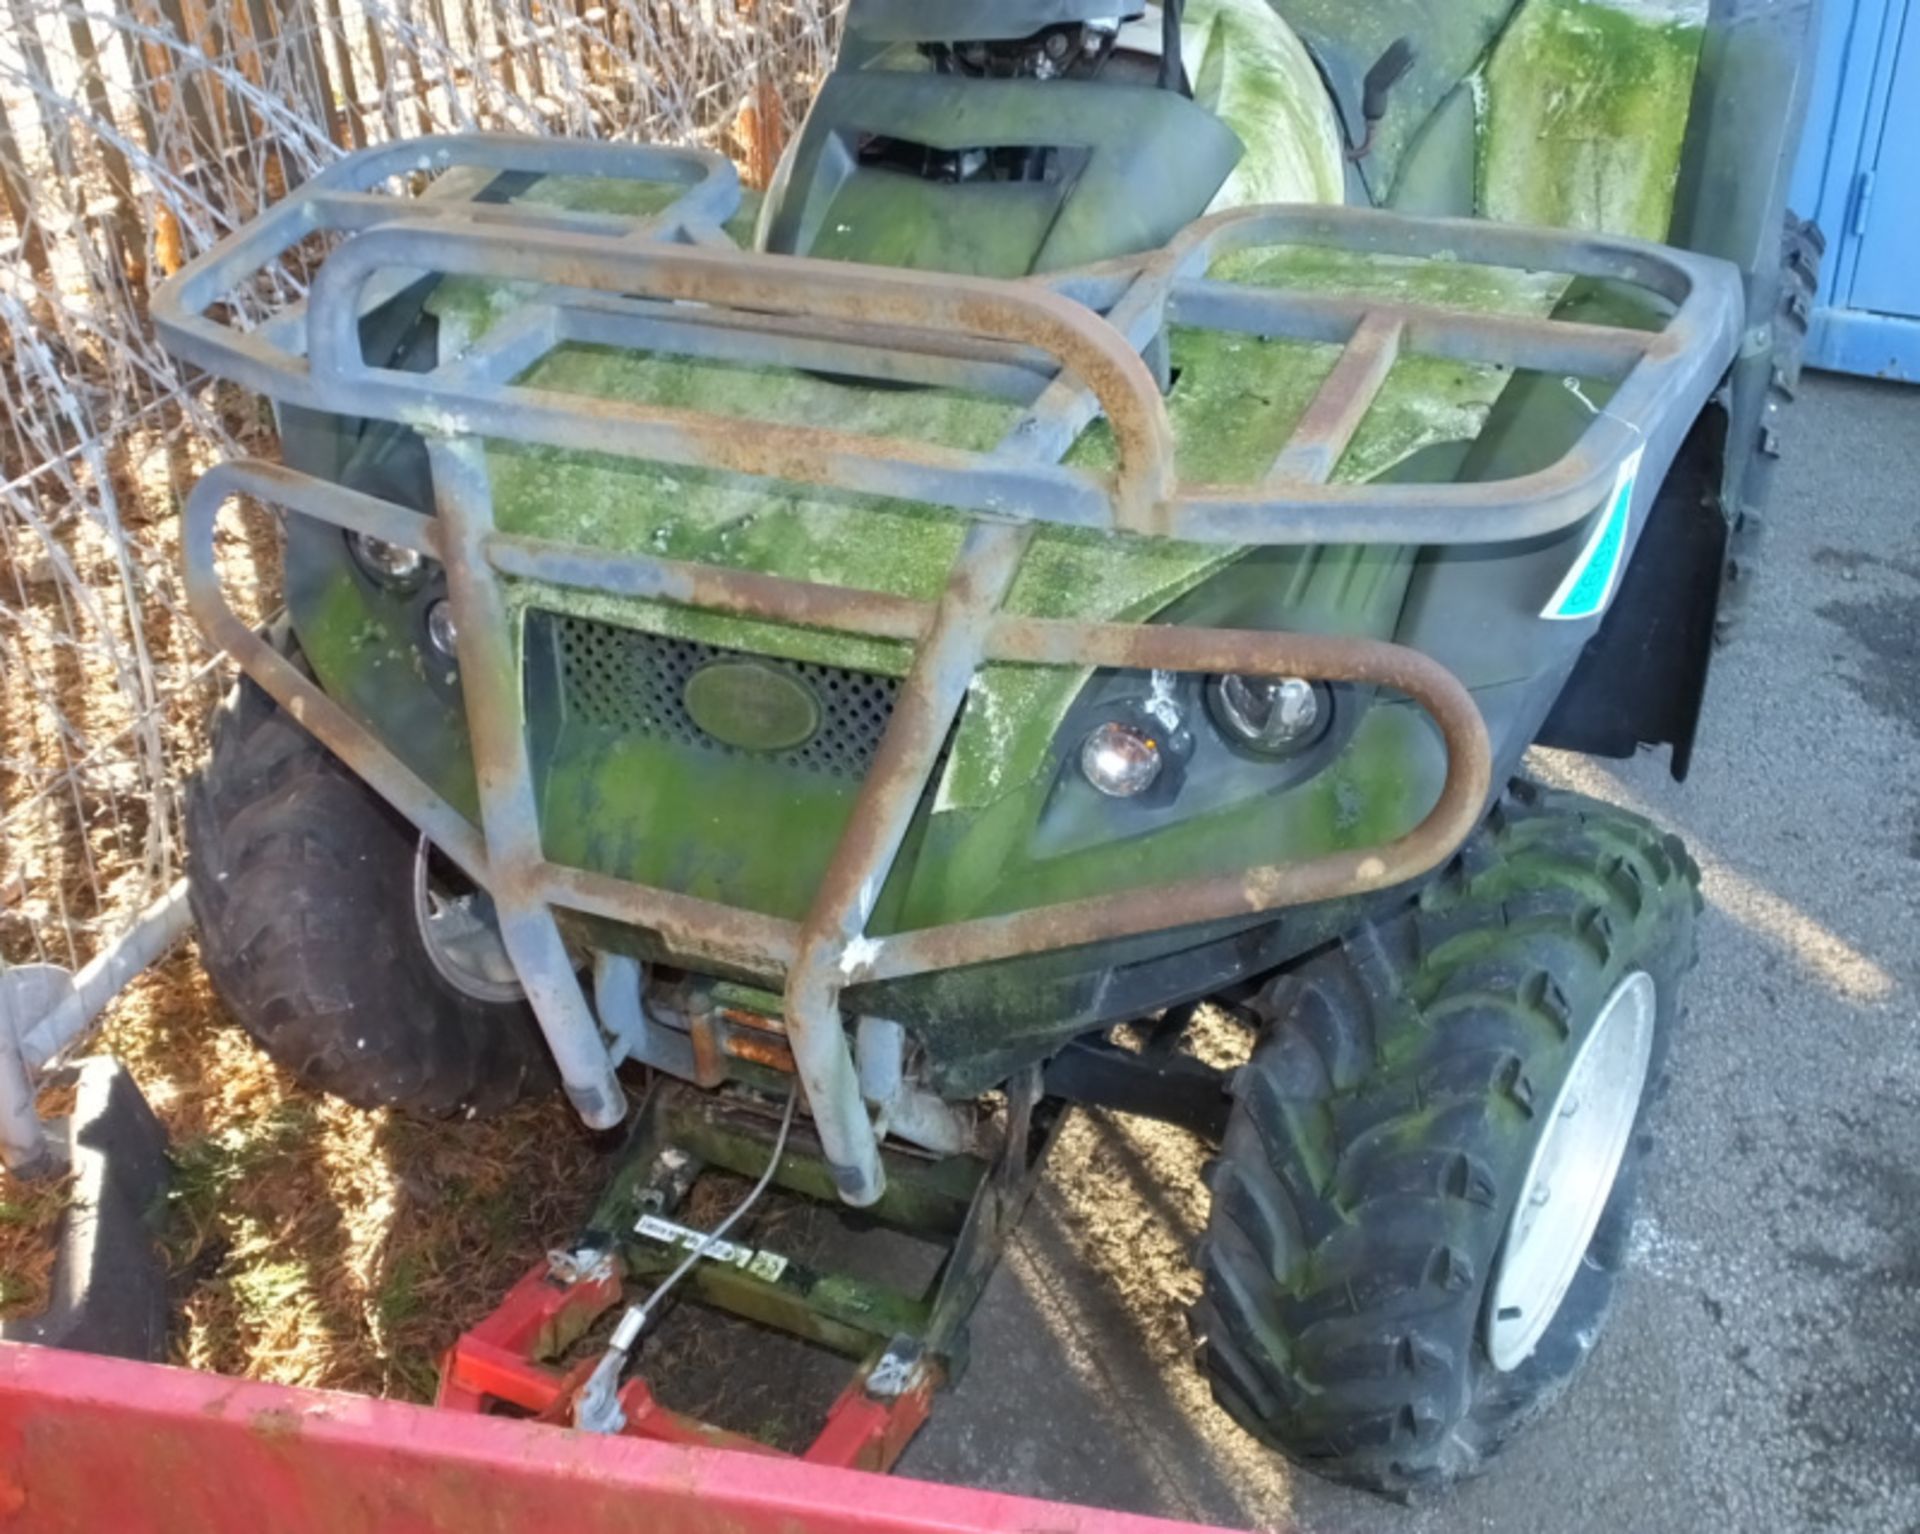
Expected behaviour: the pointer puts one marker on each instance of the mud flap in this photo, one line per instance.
(1642, 677)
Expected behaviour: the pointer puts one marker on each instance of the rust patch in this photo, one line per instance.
(276, 1424)
(775, 1057)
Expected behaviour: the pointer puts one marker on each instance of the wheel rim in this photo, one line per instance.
(460, 933)
(1572, 1173)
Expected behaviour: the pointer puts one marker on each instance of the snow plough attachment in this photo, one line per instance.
(92, 1443)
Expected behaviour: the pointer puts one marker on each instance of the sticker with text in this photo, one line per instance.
(763, 1265)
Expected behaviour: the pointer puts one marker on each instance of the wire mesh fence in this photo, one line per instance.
(132, 138)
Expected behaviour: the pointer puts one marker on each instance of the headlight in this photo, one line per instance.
(440, 629)
(1275, 716)
(393, 566)
(1120, 760)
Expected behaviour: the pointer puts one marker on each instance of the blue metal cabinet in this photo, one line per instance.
(1859, 176)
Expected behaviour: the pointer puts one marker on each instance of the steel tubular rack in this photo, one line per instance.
(1067, 348)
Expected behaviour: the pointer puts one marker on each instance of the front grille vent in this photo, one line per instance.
(633, 683)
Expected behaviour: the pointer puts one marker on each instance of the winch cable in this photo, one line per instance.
(597, 1408)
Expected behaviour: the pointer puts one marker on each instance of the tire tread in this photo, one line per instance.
(291, 862)
(1386, 1111)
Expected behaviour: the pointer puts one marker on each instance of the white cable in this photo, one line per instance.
(708, 1242)
(1572, 385)
(597, 1408)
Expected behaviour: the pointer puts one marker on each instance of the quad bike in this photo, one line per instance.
(1098, 538)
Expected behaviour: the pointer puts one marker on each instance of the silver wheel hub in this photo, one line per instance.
(461, 935)
(1572, 1173)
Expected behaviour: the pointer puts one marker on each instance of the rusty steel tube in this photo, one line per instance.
(1002, 337)
(950, 322)
(329, 723)
(833, 938)
(1249, 892)
(1475, 241)
(747, 593)
(774, 946)
(503, 771)
(1028, 314)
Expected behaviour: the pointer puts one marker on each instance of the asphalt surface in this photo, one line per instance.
(1762, 1371)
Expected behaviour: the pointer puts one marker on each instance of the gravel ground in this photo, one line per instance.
(1763, 1366)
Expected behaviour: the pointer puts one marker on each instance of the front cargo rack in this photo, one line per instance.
(1069, 349)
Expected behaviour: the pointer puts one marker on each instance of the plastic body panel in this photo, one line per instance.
(1346, 39)
(1136, 165)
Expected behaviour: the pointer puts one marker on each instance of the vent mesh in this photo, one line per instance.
(634, 683)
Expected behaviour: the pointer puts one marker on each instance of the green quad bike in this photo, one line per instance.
(1098, 537)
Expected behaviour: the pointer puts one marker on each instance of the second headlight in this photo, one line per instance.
(1274, 716)
(392, 565)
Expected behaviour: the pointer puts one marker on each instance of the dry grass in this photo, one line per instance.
(30, 1224)
(313, 1244)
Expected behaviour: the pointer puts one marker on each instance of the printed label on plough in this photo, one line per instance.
(762, 1265)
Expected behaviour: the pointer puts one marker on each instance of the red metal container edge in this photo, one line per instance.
(90, 1444)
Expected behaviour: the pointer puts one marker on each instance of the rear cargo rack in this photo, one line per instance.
(1068, 348)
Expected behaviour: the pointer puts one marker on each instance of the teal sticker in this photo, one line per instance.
(1589, 585)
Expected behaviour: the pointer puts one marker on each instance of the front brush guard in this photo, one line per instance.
(1068, 347)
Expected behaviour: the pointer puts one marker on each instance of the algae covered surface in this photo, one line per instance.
(1252, 72)
(1233, 407)
(820, 535)
(1583, 108)
(468, 307)
(1438, 279)
(1426, 400)
(1584, 113)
